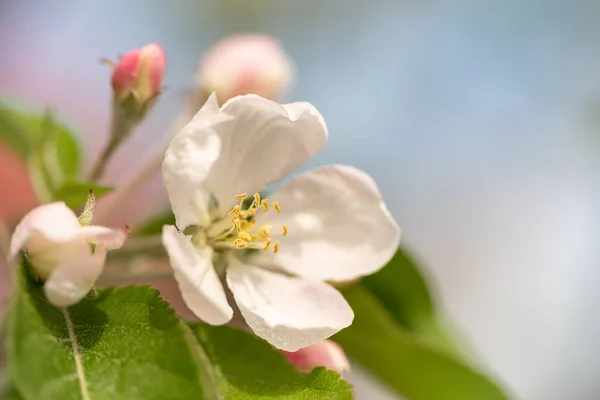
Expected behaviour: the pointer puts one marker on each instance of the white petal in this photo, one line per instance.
(55, 221)
(266, 141)
(198, 282)
(111, 239)
(187, 162)
(339, 228)
(75, 276)
(288, 312)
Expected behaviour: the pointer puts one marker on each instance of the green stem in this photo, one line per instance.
(121, 127)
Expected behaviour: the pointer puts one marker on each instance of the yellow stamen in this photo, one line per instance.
(265, 230)
(243, 233)
(247, 226)
(240, 243)
(245, 236)
(267, 245)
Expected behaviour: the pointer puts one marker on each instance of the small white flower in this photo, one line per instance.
(329, 224)
(60, 251)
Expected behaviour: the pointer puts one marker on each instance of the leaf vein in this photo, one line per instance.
(85, 395)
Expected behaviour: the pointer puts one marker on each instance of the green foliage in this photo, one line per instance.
(416, 369)
(49, 148)
(15, 130)
(126, 343)
(399, 334)
(153, 226)
(248, 368)
(404, 291)
(75, 194)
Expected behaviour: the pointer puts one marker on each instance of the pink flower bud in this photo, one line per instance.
(327, 353)
(245, 64)
(140, 72)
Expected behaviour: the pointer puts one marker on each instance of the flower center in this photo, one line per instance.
(245, 231)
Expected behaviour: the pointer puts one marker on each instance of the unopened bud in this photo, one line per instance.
(140, 73)
(245, 64)
(327, 353)
(68, 256)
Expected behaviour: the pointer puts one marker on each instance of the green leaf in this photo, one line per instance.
(14, 131)
(246, 368)
(126, 343)
(50, 148)
(10, 393)
(416, 369)
(401, 287)
(153, 225)
(75, 194)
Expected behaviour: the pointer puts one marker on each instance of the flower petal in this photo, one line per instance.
(339, 227)
(288, 312)
(266, 141)
(111, 239)
(188, 161)
(55, 221)
(75, 276)
(327, 353)
(198, 282)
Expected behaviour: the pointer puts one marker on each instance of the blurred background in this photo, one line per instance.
(479, 120)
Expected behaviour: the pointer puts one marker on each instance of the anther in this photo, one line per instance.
(240, 243)
(265, 230)
(256, 199)
(236, 224)
(265, 204)
(284, 230)
(266, 245)
(276, 246)
(235, 210)
(242, 196)
(245, 236)
(277, 208)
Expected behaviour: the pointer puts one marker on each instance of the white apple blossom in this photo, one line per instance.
(60, 251)
(329, 224)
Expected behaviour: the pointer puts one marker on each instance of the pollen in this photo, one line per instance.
(266, 245)
(240, 243)
(265, 230)
(244, 234)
